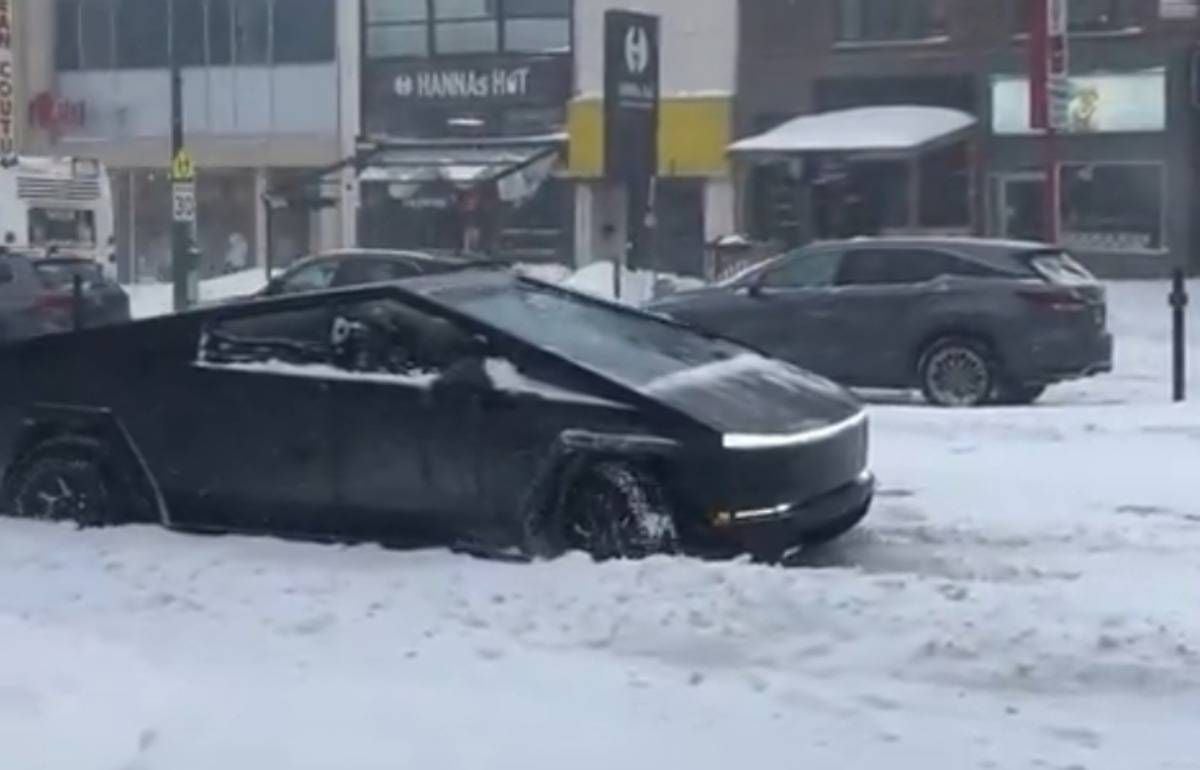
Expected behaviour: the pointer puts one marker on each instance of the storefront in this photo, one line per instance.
(464, 116)
(1113, 163)
(259, 79)
(865, 171)
(694, 199)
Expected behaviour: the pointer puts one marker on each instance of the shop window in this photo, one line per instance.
(466, 37)
(141, 33)
(465, 9)
(226, 214)
(945, 181)
(679, 235)
(515, 8)
(1083, 16)
(537, 25)
(149, 220)
(871, 21)
(1115, 207)
(252, 31)
(402, 28)
(187, 32)
(304, 31)
(397, 41)
(397, 28)
(66, 35)
(534, 35)
(397, 11)
(525, 121)
(97, 34)
(220, 31)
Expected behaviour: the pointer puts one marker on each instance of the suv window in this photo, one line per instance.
(6, 273)
(875, 267)
(371, 337)
(60, 274)
(314, 277)
(803, 270)
(362, 270)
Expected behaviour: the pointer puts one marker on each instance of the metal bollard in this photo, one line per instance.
(1179, 303)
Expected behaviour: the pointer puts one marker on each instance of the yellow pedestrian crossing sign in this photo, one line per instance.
(183, 169)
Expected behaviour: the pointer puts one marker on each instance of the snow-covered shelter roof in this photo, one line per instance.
(879, 131)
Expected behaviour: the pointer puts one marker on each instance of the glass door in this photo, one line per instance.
(1020, 206)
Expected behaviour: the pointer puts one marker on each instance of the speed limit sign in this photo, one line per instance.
(184, 201)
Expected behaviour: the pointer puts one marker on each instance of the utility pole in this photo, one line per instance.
(183, 200)
(1050, 96)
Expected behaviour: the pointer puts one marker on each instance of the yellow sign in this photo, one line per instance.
(183, 168)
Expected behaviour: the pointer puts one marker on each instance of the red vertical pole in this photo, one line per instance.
(1052, 186)
(1039, 64)
(1047, 58)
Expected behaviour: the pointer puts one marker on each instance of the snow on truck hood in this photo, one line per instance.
(759, 403)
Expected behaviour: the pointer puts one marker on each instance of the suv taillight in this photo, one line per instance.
(1054, 299)
(54, 303)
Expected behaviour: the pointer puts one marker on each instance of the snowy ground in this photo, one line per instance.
(1026, 594)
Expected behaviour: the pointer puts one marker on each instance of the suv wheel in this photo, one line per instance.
(957, 372)
(64, 479)
(617, 511)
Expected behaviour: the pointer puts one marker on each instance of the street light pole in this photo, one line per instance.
(183, 199)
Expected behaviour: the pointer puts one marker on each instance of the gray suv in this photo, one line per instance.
(37, 296)
(968, 321)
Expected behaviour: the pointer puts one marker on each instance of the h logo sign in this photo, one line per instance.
(637, 50)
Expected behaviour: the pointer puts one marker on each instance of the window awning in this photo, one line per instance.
(882, 132)
(517, 165)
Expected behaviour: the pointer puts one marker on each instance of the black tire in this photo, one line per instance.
(65, 479)
(618, 511)
(958, 372)
(1012, 394)
(836, 528)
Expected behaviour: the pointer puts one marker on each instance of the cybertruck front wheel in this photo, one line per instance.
(618, 511)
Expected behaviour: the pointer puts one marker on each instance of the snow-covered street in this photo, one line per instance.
(1025, 594)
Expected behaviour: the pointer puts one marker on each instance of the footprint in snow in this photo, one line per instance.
(879, 702)
(1079, 736)
(313, 625)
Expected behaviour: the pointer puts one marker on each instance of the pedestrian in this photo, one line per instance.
(237, 253)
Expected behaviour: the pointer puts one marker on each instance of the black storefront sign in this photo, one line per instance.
(631, 107)
(415, 98)
(631, 94)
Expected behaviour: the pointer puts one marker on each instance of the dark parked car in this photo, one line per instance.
(967, 321)
(37, 296)
(356, 267)
(476, 407)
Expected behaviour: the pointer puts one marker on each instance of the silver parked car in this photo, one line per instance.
(968, 321)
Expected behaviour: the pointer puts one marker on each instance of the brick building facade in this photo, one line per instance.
(1129, 167)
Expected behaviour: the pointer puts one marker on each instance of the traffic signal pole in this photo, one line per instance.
(183, 201)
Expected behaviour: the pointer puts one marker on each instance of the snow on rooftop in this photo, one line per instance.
(864, 129)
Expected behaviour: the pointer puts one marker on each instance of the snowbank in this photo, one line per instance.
(153, 299)
(637, 287)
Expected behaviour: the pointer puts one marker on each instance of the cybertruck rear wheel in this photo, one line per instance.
(618, 511)
(65, 479)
